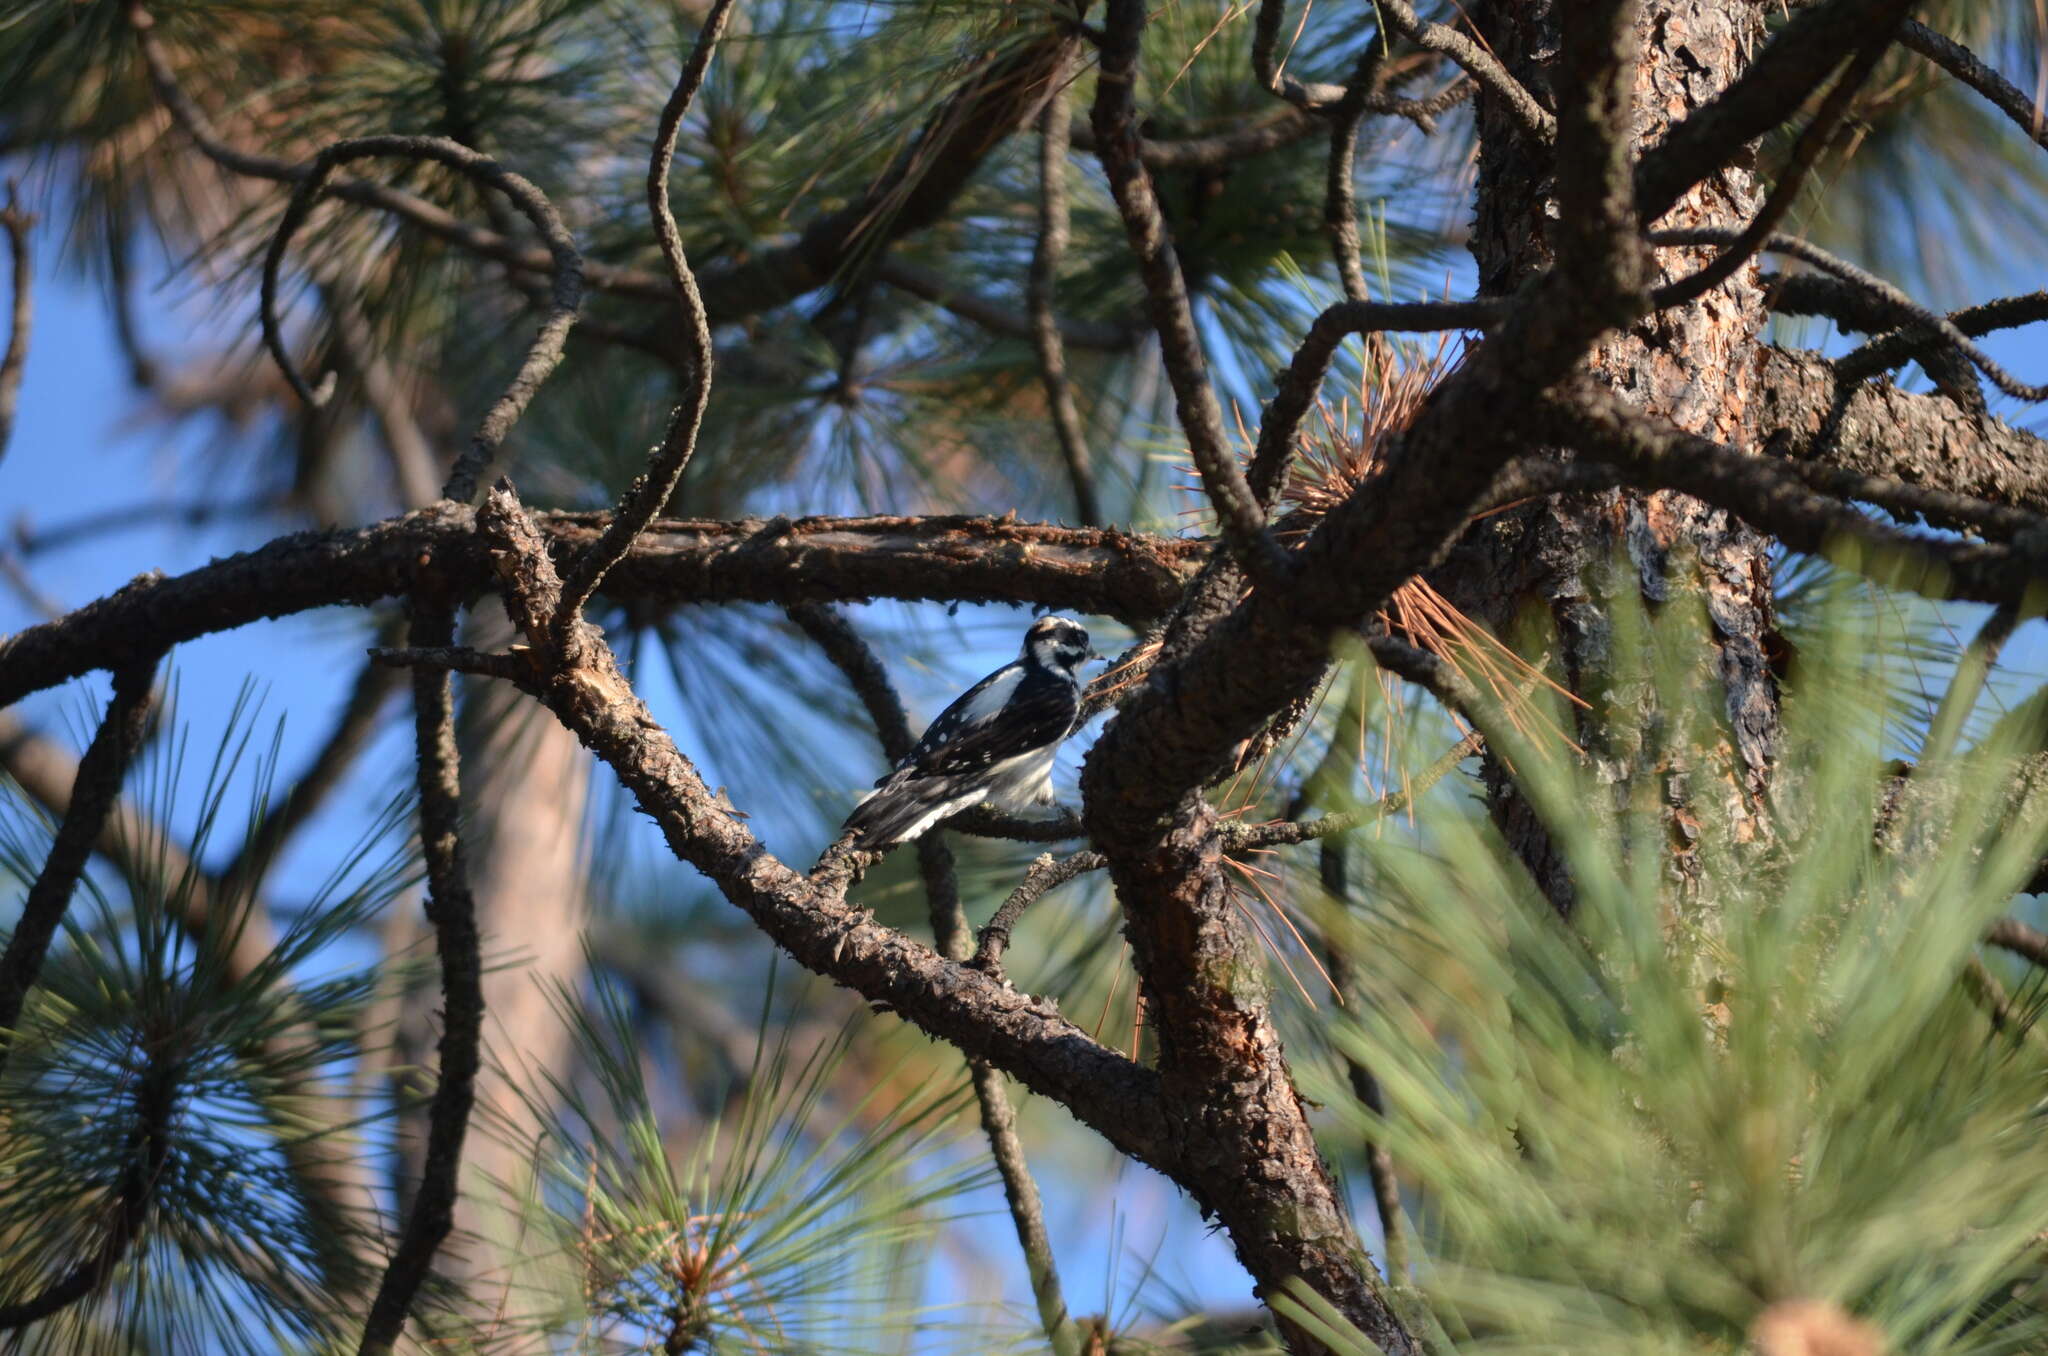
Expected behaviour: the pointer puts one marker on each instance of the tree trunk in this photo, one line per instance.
(1696, 366)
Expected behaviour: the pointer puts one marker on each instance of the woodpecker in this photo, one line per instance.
(994, 743)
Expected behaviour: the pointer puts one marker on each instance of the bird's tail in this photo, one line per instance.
(895, 812)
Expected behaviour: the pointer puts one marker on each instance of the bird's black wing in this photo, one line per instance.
(1014, 710)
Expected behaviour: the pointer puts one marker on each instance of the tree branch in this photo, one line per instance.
(1045, 331)
(1597, 243)
(91, 801)
(1239, 516)
(16, 224)
(1912, 313)
(1813, 139)
(1047, 874)
(1804, 416)
(1132, 577)
(452, 910)
(1769, 496)
(542, 354)
(1478, 63)
(1022, 1035)
(649, 494)
(1965, 65)
(1790, 67)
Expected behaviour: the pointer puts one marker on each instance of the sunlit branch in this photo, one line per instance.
(1479, 63)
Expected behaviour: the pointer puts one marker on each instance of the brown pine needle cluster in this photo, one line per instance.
(1329, 468)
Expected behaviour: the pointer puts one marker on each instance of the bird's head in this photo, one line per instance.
(1058, 644)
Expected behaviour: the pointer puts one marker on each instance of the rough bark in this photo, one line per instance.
(1130, 576)
(1695, 365)
(1877, 429)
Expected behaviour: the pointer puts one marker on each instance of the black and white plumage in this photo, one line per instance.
(994, 743)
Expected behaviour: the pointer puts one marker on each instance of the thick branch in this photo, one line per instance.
(1135, 578)
(1876, 429)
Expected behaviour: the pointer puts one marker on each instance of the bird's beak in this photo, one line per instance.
(1096, 657)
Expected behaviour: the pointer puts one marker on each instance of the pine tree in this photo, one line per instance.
(1539, 807)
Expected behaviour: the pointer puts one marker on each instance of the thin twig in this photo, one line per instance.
(454, 659)
(1047, 874)
(16, 223)
(97, 787)
(649, 494)
(1311, 97)
(1045, 330)
(542, 354)
(1340, 198)
(452, 910)
(1478, 63)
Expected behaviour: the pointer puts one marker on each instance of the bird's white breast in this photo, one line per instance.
(1024, 781)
